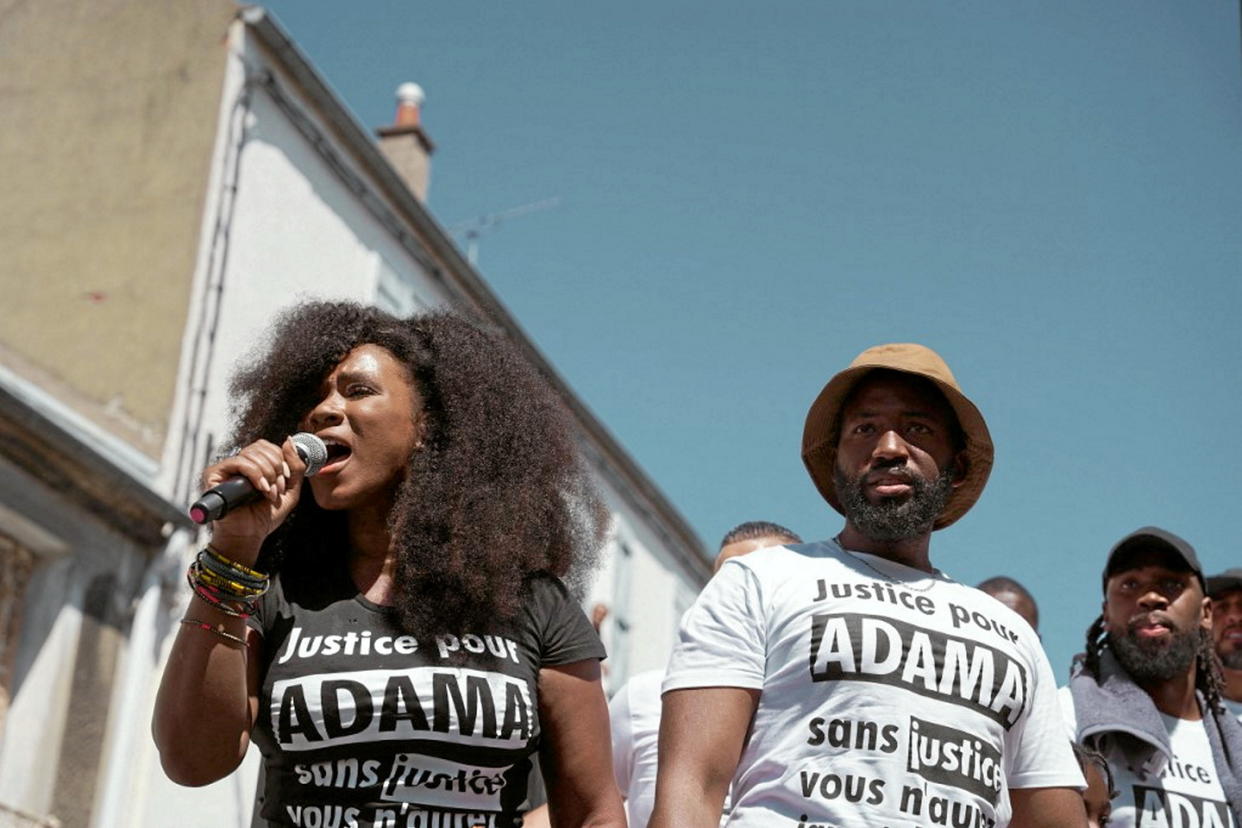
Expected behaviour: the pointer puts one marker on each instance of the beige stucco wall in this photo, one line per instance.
(108, 112)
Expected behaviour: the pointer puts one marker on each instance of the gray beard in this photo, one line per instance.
(1146, 663)
(894, 520)
(1231, 661)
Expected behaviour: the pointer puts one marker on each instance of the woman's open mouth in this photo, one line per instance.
(338, 453)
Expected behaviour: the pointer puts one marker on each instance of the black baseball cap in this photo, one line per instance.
(1149, 539)
(1225, 581)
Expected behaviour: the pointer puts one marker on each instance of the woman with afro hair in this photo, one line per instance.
(394, 632)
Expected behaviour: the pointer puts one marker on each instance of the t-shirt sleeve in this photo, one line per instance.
(1039, 754)
(267, 607)
(565, 633)
(622, 725)
(722, 641)
(1069, 714)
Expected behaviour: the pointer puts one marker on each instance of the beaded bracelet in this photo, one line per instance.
(231, 564)
(218, 630)
(228, 606)
(226, 599)
(230, 587)
(210, 566)
(248, 579)
(223, 584)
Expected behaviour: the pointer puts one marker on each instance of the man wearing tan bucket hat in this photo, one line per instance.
(849, 682)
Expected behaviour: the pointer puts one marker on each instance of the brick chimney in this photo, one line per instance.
(405, 144)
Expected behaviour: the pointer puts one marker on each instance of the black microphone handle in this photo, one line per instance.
(219, 499)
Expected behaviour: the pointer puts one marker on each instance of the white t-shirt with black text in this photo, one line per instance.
(1187, 794)
(889, 696)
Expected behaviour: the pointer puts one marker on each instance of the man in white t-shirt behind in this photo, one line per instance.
(1146, 692)
(635, 709)
(876, 691)
(1225, 590)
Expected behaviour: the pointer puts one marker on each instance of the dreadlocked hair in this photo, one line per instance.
(496, 495)
(1208, 677)
(1096, 638)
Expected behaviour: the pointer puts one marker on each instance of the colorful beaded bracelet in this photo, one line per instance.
(218, 630)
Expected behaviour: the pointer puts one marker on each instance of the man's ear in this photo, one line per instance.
(959, 467)
(1206, 623)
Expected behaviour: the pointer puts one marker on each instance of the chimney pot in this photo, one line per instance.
(410, 97)
(405, 144)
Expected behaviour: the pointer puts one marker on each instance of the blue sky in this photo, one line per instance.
(1049, 194)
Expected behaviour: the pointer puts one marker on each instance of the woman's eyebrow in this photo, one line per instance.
(352, 374)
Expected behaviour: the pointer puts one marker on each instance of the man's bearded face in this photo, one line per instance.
(894, 519)
(897, 456)
(1227, 627)
(1154, 610)
(1155, 660)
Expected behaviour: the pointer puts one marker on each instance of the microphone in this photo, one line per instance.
(216, 502)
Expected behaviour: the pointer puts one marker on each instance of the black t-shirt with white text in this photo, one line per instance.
(363, 725)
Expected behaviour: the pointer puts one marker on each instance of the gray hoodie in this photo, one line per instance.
(1116, 717)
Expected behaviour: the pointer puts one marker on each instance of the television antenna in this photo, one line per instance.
(474, 228)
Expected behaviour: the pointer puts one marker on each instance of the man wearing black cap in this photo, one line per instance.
(1225, 590)
(1146, 693)
(849, 682)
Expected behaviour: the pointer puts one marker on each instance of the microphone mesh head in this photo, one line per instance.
(312, 451)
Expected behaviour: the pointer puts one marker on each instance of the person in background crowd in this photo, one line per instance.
(1098, 796)
(831, 683)
(1013, 595)
(635, 709)
(1225, 590)
(599, 613)
(414, 643)
(751, 536)
(1146, 692)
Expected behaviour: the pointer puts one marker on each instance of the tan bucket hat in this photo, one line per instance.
(819, 448)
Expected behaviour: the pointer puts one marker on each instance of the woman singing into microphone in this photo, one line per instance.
(393, 632)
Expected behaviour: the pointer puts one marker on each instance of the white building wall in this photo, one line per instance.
(645, 591)
(32, 738)
(73, 551)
